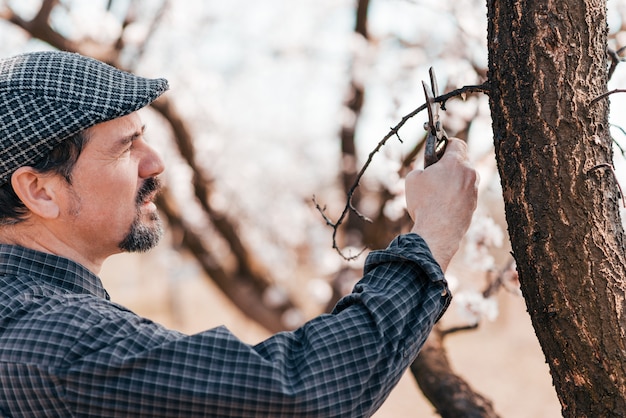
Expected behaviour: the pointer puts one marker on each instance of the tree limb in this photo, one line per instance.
(245, 293)
(451, 395)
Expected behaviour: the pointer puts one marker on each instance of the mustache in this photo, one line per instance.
(151, 185)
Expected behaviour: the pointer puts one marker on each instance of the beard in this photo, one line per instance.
(144, 235)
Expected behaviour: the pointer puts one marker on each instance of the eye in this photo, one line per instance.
(128, 147)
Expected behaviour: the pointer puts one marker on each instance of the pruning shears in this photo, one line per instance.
(437, 138)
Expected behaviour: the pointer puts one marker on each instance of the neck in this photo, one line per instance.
(39, 238)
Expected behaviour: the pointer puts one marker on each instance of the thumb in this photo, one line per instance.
(455, 149)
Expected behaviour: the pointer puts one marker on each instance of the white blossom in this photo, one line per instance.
(483, 235)
(395, 208)
(453, 282)
(473, 306)
(319, 290)
(292, 318)
(275, 296)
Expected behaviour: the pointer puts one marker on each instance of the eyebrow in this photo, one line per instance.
(132, 137)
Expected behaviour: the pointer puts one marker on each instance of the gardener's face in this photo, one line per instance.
(109, 205)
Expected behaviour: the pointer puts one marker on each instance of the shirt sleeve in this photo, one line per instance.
(342, 364)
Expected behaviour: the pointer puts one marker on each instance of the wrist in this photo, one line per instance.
(441, 248)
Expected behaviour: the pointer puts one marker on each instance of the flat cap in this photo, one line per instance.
(46, 97)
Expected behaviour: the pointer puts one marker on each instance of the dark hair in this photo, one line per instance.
(61, 160)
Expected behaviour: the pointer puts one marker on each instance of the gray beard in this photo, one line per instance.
(143, 237)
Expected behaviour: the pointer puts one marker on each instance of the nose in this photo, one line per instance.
(151, 163)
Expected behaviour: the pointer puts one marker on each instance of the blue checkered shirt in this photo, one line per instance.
(66, 350)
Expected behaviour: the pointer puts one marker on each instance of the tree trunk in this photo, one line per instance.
(547, 62)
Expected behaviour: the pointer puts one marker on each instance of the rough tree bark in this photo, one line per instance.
(547, 63)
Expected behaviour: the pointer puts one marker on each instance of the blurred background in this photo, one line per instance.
(275, 108)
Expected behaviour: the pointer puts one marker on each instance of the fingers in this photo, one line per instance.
(456, 152)
(455, 148)
(441, 200)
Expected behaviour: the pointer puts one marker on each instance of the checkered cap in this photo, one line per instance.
(46, 97)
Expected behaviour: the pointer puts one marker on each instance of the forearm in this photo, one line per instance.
(357, 354)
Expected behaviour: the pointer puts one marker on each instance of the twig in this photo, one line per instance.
(602, 96)
(499, 281)
(454, 330)
(615, 60)
(349, 207)
(493, 286)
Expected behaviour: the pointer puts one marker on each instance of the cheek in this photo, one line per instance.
(111, 200)
(118, 201)
(107, 188)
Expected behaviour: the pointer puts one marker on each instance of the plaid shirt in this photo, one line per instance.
(66, 350)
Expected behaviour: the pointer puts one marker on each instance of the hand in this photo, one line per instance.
(441, 200)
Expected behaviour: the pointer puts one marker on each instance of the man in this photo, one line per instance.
(77, 180)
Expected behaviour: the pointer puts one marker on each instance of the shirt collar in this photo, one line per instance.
(57, 271)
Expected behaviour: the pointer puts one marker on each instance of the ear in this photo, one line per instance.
(37, 191)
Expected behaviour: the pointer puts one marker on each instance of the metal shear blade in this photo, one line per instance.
(437, 138)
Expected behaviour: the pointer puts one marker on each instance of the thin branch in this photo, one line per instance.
(39, 27)
(607, 94)
(349, 207)
(615, 60)
(454, 330)
(481, 88)
(500, 280)
(43, 16)
(6, 13)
